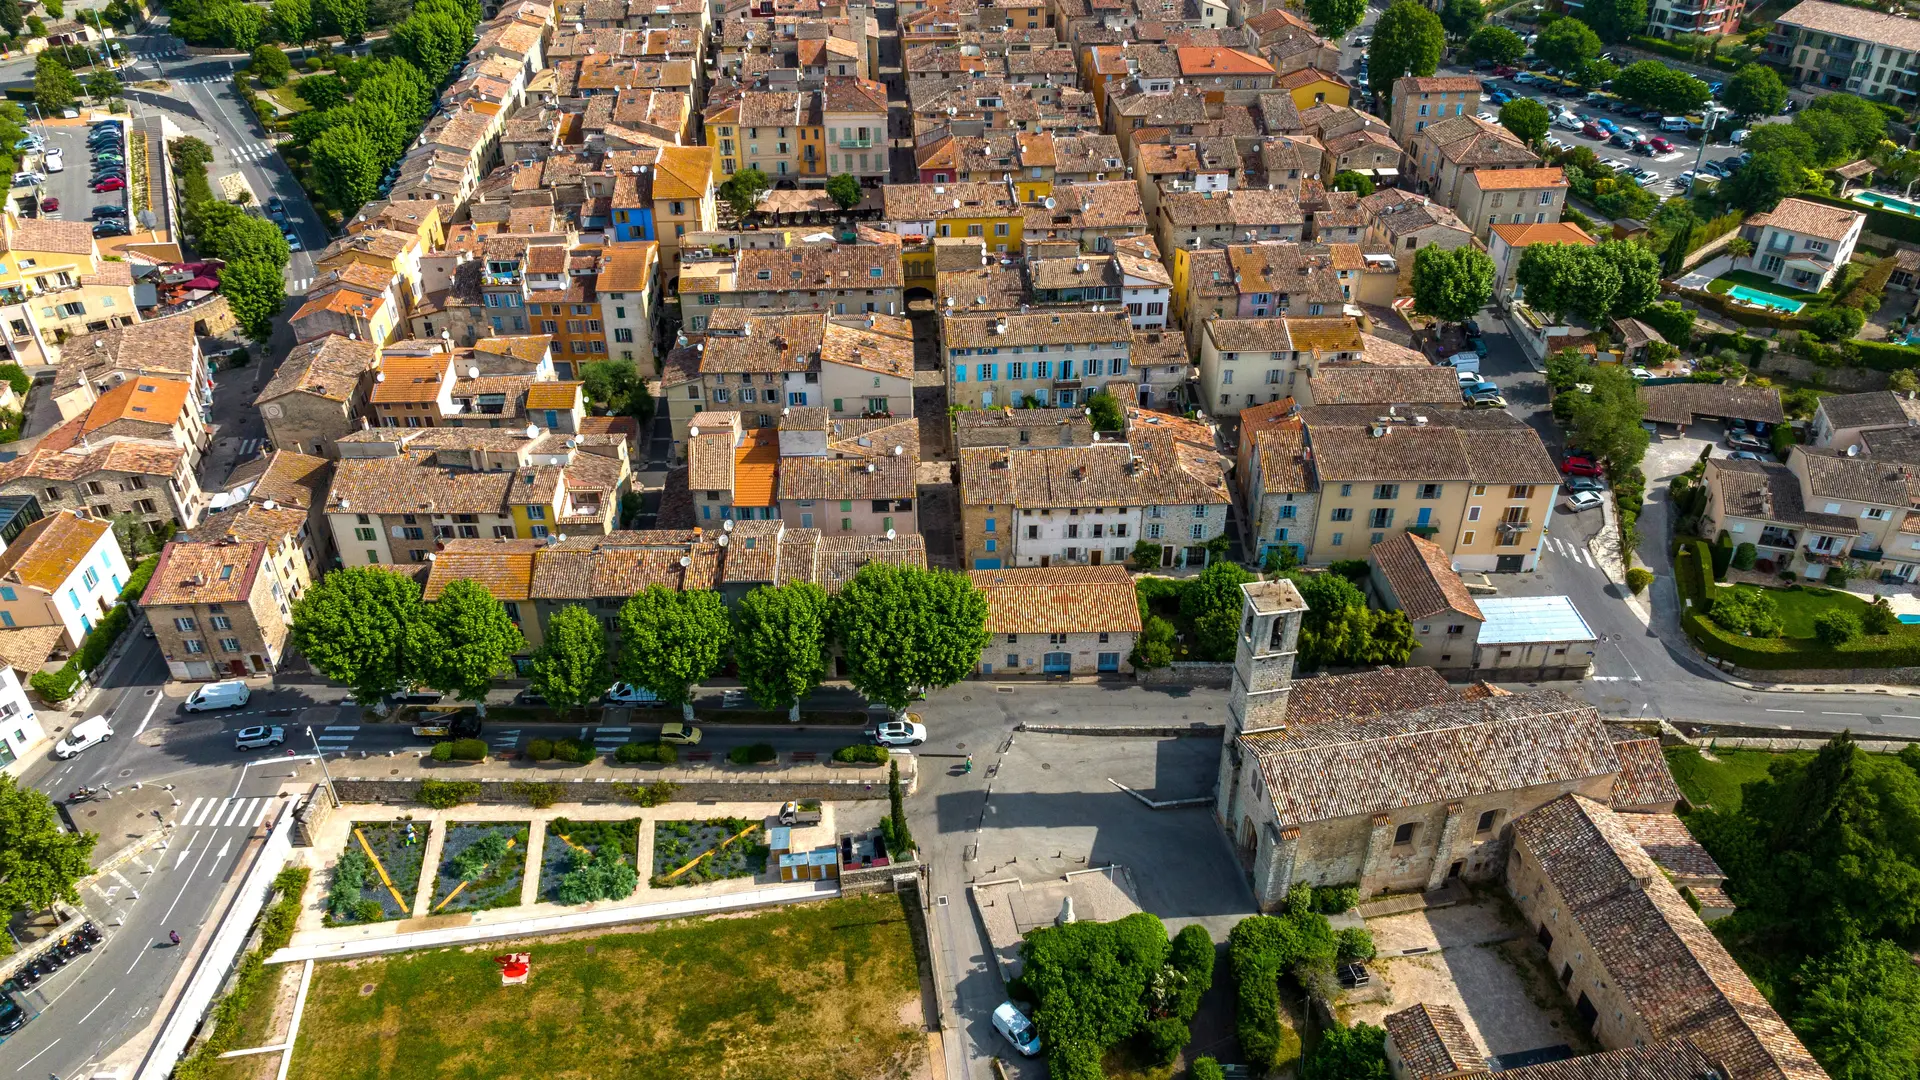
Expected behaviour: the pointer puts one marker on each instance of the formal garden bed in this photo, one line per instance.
(584, 861)
(481, 866)
(1795, 627)
(360, 892)
(695, 852)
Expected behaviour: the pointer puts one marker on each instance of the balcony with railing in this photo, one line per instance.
(855, 144)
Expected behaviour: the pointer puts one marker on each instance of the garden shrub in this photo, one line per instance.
(1836, 627)
(350, 874)
(1355, 943)
(654, 794)
(1674, 322)
(863, 754)
(1192, 956)
(1746, 611)
(1334, 899)
(16, 376)
(574, 751)
(1837, 323)
(1744, 556)
(1258, 950)
(1879, 617)
(442, 751)
(755, 754)
(540, 749)
(464, 749)
(1093, 982)
(538, 795)
(1165, 1038)
(1837, 576)
(1722, 555)
(601, 875)
(472, 863)
(1348, 1053)
(1206, 1069)
(55, 687)
(445, 794)
(1780, 439)
(1638, 579)
(634, 753)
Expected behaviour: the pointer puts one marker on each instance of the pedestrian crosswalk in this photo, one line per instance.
(203, 80)
(222, 813)
(505, 740)
(608, 739)
(299, 285)
(157, 57)
(257, 151)
(333, 736)
(1574, 553)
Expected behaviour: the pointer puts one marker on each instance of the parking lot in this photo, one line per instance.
(71, 186)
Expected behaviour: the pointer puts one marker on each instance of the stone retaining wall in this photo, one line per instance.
(1125, 730)
(859, 881)
(1895, 676)
(1187, 673)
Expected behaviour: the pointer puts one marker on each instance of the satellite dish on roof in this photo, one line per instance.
(891, 534)
(723, 538)
(533, 431)
(685, 562)
(727, 525)
(473, 371)
(1049, 203)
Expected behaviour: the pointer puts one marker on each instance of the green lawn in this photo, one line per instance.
(284, 97)
(808, 992)
(1718, 783)
(1800, 604)
(1752, 280)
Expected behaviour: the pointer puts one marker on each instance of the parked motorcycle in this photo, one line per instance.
(85, 794)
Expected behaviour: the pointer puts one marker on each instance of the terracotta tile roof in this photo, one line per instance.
(1329, 699)
(711, 453)
(881, 477)
(885, 347)
(27, 648)
(1670, 969)
(507, 574)
(1809, 219)
(1468, 140)
(1666, 840)
(1856, 24)
(1683, 403)
(148, 398)
(1508, 179)
(756, 463)
(48, 235)
(554, 395)
(922, 202)
(1675, 1059)
(1433, 84)
(330, 366)
(406, 379)
(413, 484)
(48, 551)
(1480, 446)
(287, 478)
(1422, 576)
(1284, 467)
(153, 347)
(1389, 761)
(59, 457)
(1307, 76)
(191, 572)
(1429, 386)
(1644, 779)
(1242, 207)
(1550, 232)
(251, 523)
(1038, 328)
(1432, 1041)
(771, 343)
(1767, 491)
(1059, 600)
(1380, 352)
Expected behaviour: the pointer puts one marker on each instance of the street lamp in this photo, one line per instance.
(332, 795)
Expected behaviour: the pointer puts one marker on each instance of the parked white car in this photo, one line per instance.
(628, 694)
(56, 162)
(1582, 500)
(90, 732)
(899, 733)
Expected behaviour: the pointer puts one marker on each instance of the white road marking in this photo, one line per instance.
(1843, 714)
(1787, 710)
(266, 806)
(215, 868)
(38, 1056)
(183, 887)
(137, 959)
(149, 716)
(192, 808)
(103, 1001)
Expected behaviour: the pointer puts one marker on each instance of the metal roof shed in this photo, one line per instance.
(1531, 620)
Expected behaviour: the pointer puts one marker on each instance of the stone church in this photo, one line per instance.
(1393, 780)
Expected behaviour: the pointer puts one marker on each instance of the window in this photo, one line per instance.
(1381, 518)
(536, 513)
(1466, 537)
(1199, 532)
(1429, 491)
(1403, 834)
(1386, 492)
(183, 625)
(221, 622)
(228, 644)
(195, 645)
(1486, 821)
(1520, 491)
(1341, 513)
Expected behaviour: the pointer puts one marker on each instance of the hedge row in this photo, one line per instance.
(863, 753)
(1692, 573)
(276, 929)
(1680, 52)
(460, 750)
(57, 686)
(1882, 356)
(633, 753)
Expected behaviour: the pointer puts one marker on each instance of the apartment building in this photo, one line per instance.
(1402, 223)
(1064, 620)
(828, 278)
(1276, 479)
(1050, 358)
(224, 608)
(1506, 243)
(659, 194)
(1840, 47)
(1257, 280)
(991, 210)
(1248, 362)
(62, 571)
(629, 289)
(348, 302)
(1479, 483)
(1510, 196)
(383, 250)
(1419, 101)
(1029, 504)
(1444, 153)
(150, 478)
(858, 367)
(397, 492)
(852, 477)
(1139, 284)
(279, 498)
(1802, 244)
(167, 347)
(54, 286)
(1196, 219)
(1668, 18)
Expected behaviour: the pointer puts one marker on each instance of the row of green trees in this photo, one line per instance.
(347, 148)
(1099, 985)
(256, 254)
(1791, 159)
(1339, 629)
(901, 631)
(238, 25)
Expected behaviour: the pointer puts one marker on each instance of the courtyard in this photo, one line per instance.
(1477, 957)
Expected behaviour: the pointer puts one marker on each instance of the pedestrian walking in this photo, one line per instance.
(173, 936)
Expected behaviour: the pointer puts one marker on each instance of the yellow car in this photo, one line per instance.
(680, 734)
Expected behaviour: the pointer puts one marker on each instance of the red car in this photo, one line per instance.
(1575, 465)
(111, 183)
(49, 204)
(1594, 131)
(1505, 71)
(1660, 145)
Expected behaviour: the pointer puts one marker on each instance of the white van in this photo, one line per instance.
(88, 732)
(1673, 123)
(220, 695)
(1468, 361)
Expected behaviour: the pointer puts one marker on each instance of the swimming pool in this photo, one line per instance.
(1908, 619)
(1887, 202)
(1765, 299)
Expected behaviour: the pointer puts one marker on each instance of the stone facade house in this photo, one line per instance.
(318, 394)
(1068, 620)
(223, 608)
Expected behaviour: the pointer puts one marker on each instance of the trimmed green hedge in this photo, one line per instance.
(863, 754)
(754, 754)
(1882, 356)
(446, 794)
(1901, 648)
(137, 584)
(460, 750)
(633, 753)
(1679, 52)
